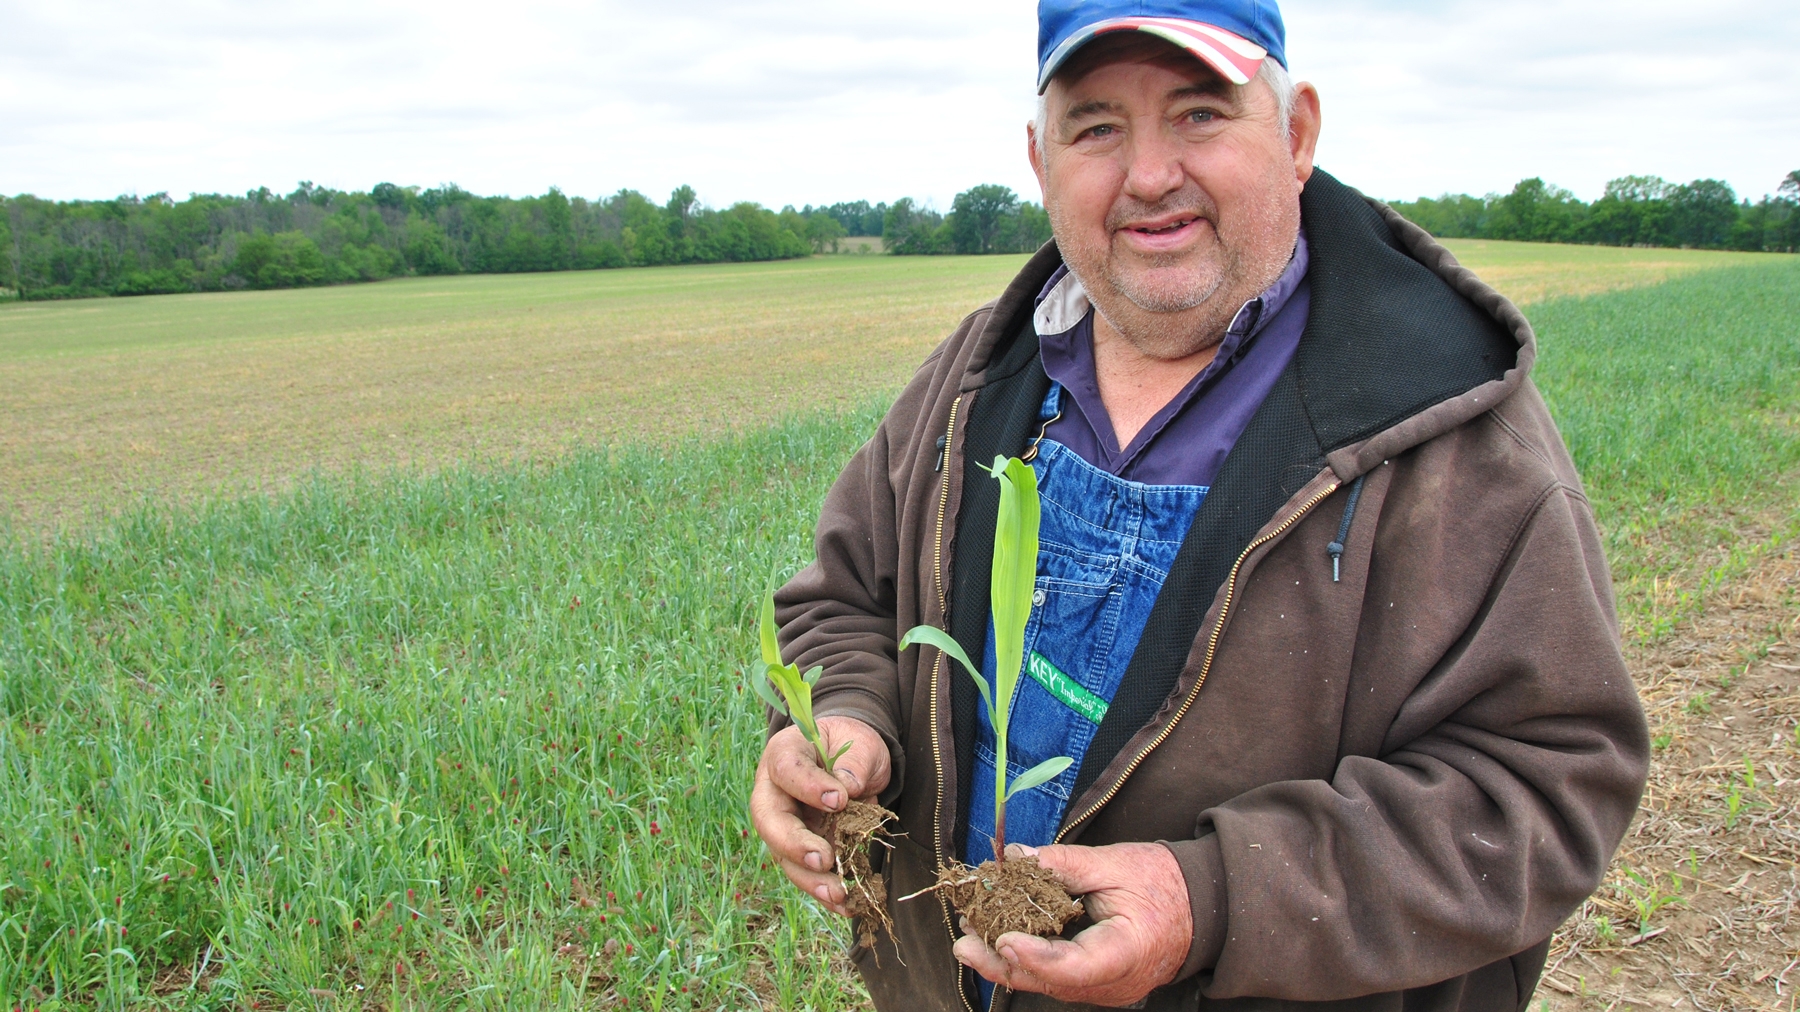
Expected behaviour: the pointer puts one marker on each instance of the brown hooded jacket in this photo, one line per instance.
(1384, 791)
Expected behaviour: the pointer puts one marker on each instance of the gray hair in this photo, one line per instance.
(1271, 73)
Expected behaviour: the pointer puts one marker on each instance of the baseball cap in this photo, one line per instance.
(1232, 37)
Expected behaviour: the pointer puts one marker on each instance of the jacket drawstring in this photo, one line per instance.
(1336, 548)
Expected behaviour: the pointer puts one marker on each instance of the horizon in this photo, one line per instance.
(923, 204)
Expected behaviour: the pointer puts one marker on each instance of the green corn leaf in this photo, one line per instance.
(1014, 583)
(771, 650)
(759, 683)
(795, 688)
(933, 636)
(839, 754)
(1014, 577)
(1047, 770)
(812, 674)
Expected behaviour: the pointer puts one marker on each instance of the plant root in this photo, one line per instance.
(1013, 895)
(851, 833)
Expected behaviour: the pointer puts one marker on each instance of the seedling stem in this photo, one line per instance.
(1014, 577)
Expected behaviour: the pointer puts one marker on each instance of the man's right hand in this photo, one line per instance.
(793, 793)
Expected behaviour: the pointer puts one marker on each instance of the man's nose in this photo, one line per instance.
(1153, 167)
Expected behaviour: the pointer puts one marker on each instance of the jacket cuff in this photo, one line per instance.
(1203, 865)
(867, 708)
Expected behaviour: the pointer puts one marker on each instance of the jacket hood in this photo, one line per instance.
(1378, 375)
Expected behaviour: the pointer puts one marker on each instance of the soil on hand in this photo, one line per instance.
(851, 833)
(1014, 895)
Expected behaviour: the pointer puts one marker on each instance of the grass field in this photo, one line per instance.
(107, 402)
(458, 739)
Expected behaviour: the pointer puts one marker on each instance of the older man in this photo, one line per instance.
(1321, 612)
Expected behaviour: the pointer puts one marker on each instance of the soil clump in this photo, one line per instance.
(1017, 894)
(851, 833)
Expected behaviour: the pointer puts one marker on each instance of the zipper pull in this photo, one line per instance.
(1336, 548)
(943, 448)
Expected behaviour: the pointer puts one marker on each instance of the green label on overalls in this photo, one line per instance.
(1072, 693)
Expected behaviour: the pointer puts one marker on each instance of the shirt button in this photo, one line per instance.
(1037, 597)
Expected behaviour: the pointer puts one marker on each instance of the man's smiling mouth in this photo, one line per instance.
(1174, 226)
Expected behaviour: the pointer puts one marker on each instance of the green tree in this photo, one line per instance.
(1701, 214)
(1451, 216)
(560, 242)
(681, 203)
(824, 232)
(1632, 211)
(281, 260)
(427, 249)
(1536, 212)
(910, 230)
(977, 215)
(390, 196)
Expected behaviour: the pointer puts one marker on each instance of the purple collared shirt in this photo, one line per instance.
(1187, 441)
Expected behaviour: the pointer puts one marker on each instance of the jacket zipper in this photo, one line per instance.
(937, 667)
(1212, 646)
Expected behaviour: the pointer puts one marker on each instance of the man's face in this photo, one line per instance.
(1168, 187)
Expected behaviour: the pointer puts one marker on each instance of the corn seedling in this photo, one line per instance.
(1604, 930)
(1649, 898)
(1013, 579)
(851, 830)
(1741, 796)
(795, 700)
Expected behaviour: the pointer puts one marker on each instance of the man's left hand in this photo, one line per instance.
(1143, 928)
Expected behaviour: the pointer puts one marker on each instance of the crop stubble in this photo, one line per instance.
(1699, 907)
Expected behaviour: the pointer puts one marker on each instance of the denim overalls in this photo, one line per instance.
(1104, 549)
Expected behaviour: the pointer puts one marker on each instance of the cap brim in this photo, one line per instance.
(1235, 58)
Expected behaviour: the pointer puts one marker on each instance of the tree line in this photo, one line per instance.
(1633, 211)
(318, 235)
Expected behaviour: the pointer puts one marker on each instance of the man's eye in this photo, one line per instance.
(1202, 116)
(1103, 130)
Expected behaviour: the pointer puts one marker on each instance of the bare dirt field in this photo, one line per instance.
(1699, 908)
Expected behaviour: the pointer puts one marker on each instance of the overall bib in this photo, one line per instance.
(1105, 546)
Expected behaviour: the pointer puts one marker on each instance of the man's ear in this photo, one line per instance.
(1035, 155)
(1303, 130)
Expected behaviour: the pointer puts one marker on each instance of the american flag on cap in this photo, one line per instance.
(1232, 37)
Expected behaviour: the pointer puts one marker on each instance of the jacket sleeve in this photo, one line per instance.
(1504, 783)
(843, 611)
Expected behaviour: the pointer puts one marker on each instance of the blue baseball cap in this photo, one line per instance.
(1232, 37)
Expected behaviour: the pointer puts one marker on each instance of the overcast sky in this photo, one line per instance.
(813, 102)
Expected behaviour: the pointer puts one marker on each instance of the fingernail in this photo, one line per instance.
(815, 860)
(1009, 955)
(1020, 850)
(830, 798)
(823, 893)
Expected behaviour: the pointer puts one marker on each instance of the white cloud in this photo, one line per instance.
(1423, 98)
(815, 101)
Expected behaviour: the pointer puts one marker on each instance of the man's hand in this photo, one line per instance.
(793, 793)
(1143, 928)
